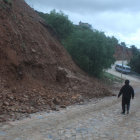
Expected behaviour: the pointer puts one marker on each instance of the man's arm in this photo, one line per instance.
(120, 93)
(132, 93)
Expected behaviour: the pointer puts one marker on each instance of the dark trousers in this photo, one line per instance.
(125, 104)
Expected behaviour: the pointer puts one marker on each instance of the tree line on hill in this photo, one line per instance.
(91, 49)
(135, 60)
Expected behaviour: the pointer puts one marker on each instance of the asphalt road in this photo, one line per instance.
(132, 78)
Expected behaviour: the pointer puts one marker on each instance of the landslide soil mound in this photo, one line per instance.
(36, 72)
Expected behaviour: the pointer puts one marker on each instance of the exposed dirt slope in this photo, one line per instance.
(122, 53)
(36, 72)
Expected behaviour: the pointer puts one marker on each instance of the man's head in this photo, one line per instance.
(127, 82)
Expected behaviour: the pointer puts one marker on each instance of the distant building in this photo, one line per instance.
(85, 25)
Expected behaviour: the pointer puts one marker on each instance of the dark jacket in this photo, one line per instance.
(127, 92)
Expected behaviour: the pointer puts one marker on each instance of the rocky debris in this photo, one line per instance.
(19, 102)
(61, 75)
(56, 101)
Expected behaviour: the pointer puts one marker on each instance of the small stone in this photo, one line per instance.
(6, 103)
(62, 106)
(33, 50)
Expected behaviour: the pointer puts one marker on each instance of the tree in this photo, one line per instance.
(134, 50)
(123, 44)
(59, 22)
(91, 50)
(135, 61)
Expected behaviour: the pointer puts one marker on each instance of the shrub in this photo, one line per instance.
(9, 2)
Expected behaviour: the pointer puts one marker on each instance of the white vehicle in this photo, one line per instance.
(123, 68)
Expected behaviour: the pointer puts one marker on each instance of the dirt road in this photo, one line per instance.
(97, 120)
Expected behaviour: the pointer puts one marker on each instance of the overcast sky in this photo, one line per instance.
(119, 18)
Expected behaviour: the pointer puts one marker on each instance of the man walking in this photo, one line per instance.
(127, 93)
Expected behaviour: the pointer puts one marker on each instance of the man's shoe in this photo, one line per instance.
(123, 113)
(127, 112)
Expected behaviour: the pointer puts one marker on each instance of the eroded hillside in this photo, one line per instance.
(36, 72)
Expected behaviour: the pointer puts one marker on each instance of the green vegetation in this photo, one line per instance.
(135, 61)
(109, 78)
(59, 22)
(91, 49)
(8, 2)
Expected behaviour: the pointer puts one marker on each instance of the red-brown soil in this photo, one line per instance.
(122, 53)
(36, 72)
